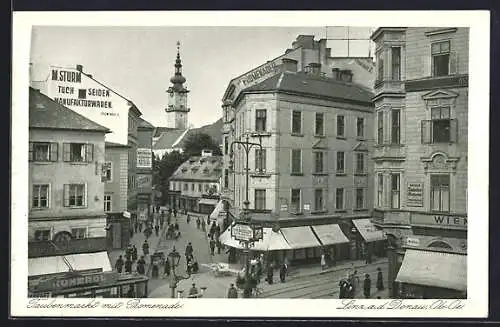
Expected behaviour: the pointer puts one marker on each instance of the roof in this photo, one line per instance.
(145, 124)
(315, 86)
(199, 168)
(116, 145)
(160, 130)
(214, 130)
(169, 138)
(47, 113)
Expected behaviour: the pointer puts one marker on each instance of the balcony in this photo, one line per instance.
(394, 152)
(388, 86)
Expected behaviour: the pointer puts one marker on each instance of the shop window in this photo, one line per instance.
(260, 160)
(440, 52)
(395, 191)
(380, 190)
(318, 199)
(440, 129)
(295, 201)
(260, 199)
(396, 63)
(340, 162)
(440, 193)
(396, 126)
(79, 233)
(260, 120)
(42, 235)
(339, 199)
(360, 127)
(107, 203)
(43, 151)
(340, 126)
(78, 152)
(380, 128)
(360, 198)
(41, 196)
(296, 122)
(360, 163)
(318, 162)
(75, 195)
(296, 161)
(319, 124)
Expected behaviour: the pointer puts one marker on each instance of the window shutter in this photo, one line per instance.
(453, 63)
(30, 154)
(426, 131)
(263, 159)
(66, 195)
(89, 155)
(453, 131)
(66, 152)
(257, 159)
(85, 197)
(54, 147)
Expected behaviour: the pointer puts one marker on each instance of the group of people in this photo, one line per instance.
(191, 263)
(348, 285)
(130, 258)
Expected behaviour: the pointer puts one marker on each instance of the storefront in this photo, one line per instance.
(335, 242)
(119, 227)
(432, 275)
(207, 206)
(143, 206)
(374, 239)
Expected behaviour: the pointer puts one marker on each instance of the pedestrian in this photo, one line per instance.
(176, 226)
(270, 274)
(354, 281)
(219, 245)
(212, 246)
(188, 219)
(198, 223)
(189, 263)
(367, 284)
(380, 279)
(155, 269)
(141, 266)
(285, 262)
(203, 225)
(189, 250)
(131, 293)
(166, 268)
(136, 226)
(232, 293)
(128, 266)
(157, 230)
(134, 253)
(282, 273)
(193, 291)
(145, 247)
(175, 212)
(169, 217)
(323, 261)
(128, 255)
(119, 264)
(140, 226)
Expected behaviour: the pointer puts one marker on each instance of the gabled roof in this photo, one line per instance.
(168, 139)
(116, 145)
(307, 84)
(160, 130)
(47, 113)
(207, 168)
(145, 124)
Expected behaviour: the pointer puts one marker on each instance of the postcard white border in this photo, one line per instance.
(478, 138)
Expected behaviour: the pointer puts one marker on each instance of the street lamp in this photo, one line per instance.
(174, 257)
(244, 230)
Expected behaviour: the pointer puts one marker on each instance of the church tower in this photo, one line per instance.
(177, 110)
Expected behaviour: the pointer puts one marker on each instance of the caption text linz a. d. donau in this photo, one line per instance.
(350, 304)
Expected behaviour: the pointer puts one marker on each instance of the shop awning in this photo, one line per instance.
(437, 269)
(368, 231)
(212, 202)
(330, 234)
(300, 237)
(58, 264)
(218, 208)
(271, 241)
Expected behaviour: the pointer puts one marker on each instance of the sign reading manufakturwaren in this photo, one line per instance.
(242, 232)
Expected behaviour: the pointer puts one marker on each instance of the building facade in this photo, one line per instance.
(144, 164)
(420, 156)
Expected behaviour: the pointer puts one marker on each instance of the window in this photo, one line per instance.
(79, 233)
(360, 163)
(260, 199)
(296, 161)
(318, 199)
(319, 125)
(296, 122)
(396, 63)
(360, 127)
(74, 195)
(339, 199)
(360, 198)
(43, 151)
(107, 203)
(107, 173)
(260, 160)
(380, 128)
(78, 152)
(295, 201)
(199, 187)
(395, 127)
(260, 120)
(340, 126)
(185, 186)
(172, 186)
(440, 52)
(226, 178)
(395, 191)
(206, 187)
(42, 235)
(340, 162)
(192, 187)
(440, 129)
(318, 162)
(226, 145)
(41, 196)
(380, 66)
(380, 190)
(440, 192)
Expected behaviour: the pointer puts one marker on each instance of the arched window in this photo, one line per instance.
(439, 244)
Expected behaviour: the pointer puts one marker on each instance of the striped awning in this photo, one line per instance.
(271, 241)
(330, 234)
(368, 231)
(300, 237)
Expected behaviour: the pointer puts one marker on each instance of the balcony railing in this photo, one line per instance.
(389, 151)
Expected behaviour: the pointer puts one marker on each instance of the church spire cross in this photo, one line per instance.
(178, 79)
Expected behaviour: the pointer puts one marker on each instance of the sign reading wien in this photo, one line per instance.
(437, 220)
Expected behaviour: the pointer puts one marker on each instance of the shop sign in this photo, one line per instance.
(284, 207)
(412, 241)
(415, 195)
(260, 73)
(444, 221)
(144, 181)
(307, 207)
(144, 158)
(242, 232)
(437, 83)
(60, 283)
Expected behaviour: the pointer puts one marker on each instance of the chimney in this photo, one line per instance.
(289, 65)
(206, 153)
(315, 68)
(336, 73)
(79, 68)
(346, 75)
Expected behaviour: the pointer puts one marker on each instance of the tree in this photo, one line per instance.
(164, 170)
(195, 143)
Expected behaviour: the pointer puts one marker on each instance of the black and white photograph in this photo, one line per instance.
(322, 161)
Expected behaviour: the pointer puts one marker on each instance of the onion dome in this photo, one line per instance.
(178, 79)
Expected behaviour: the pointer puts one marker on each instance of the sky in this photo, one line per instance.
(138, 62)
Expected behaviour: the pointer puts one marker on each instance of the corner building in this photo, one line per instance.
(420, 158)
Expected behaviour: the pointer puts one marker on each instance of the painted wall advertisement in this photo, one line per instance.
(415, 195)
(80, 93)
(144, 181)
(144, 158)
